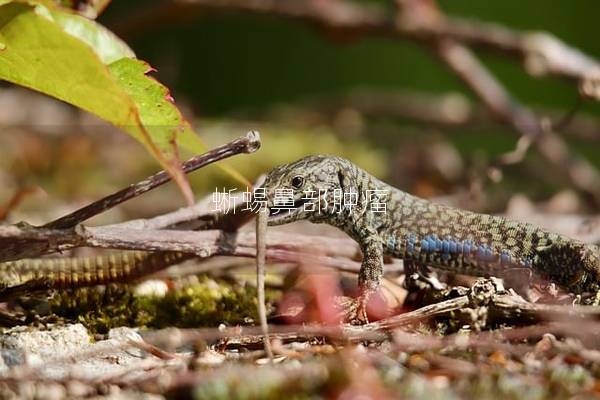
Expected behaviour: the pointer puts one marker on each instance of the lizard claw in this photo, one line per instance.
(353, 311)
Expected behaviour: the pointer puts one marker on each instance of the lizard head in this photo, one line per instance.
(302, 189)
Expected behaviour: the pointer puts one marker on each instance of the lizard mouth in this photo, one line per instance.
(282, 213)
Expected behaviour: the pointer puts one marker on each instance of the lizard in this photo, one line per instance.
(76, 272)
(118, 267)
(385, 220)
(422, 233)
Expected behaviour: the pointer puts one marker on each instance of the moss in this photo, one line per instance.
(98, 308)
(205, 303)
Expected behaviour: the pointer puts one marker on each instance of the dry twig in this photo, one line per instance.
(246, 144)
(261, 255)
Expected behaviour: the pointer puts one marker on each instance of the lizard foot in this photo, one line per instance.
(353, 311)
(356, 311)
(358, 314)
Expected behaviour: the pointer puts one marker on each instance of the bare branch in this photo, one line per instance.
(541, 53)
(463, 62)
(448, 110)
(247, 144)
(282, 247)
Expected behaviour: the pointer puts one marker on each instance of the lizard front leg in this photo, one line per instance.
(369, 279)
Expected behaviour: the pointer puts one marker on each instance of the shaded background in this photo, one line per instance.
(231, 72)
(226, 62)
(232, 64)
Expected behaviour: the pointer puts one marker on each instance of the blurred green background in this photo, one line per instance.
(231, 72)
(230, 61)
(229, 65)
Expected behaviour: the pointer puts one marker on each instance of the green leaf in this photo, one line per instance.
(40, 55)
(104, 43)
(156, 109)
(80, 62)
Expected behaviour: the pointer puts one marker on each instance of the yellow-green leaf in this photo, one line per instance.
(78, 61)
(38, 54)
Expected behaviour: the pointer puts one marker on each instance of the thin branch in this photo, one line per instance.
(261, 255)
(247, 144)
(567, 119)
(412, 317)
(201, 216)
(447, 110)
(26, 241)
(488, 299)
(282, 247)
(463, 62)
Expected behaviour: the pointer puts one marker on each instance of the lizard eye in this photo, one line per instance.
(297, 182)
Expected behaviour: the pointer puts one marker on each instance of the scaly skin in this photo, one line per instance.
(423, 233)
(74, 272)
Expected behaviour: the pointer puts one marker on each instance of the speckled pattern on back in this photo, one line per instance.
(426, 233)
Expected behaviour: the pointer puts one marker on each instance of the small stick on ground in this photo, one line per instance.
(247, 144)
(261, 255)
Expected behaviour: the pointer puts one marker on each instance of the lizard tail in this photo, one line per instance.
(74, 272)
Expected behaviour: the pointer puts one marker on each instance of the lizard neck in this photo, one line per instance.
(375, 209)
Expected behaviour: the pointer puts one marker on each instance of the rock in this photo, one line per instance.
(64, 351)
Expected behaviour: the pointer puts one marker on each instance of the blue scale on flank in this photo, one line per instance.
(468, 247)
(485, 253)
(448, 246)
(392, 243)
(453, 247)
(410, 243)
(445, 246)
(505, 258)
(430, 243)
